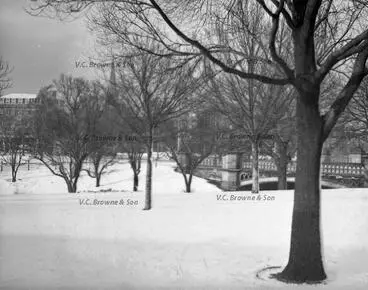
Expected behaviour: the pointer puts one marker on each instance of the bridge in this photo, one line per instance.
(233, 172)
(270, 183)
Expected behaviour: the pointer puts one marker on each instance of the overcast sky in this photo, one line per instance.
(40, 49)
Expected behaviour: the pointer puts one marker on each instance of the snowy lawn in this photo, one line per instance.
(50, 239)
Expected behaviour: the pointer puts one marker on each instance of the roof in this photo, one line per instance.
(20, 96)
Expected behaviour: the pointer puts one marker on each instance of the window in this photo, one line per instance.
(24, 101)
(7, 101)
(1, 100)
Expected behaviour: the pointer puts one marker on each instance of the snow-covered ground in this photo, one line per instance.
(50, 239)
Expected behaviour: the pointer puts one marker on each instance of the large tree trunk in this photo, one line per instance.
(73, 182)
(305, 258)
(148, 200)
(97, 173)
(78, 168)
(187, 187)
(188, 182)
(282, 163)
(14, 173)
(71, 186)
(255, 167)
(98, 179)
(135, 181)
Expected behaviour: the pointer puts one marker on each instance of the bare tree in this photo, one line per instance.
(190, 140)
(103, 139)
(5, 81)
(15, 141)
(326, 36)
(151, 92)
(282, 146)
(357, 122)
(14, 147)
(60, 128)
(100, 162)
(254, 110)
(12, 153)
(357, 112)
(135, 150)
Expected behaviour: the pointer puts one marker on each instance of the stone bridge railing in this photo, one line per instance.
(232, 168)
(336, 169)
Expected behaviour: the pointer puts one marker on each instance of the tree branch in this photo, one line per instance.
(288, 18)
(359, 72)
(215, 60)
(275, 26)
(358, 44)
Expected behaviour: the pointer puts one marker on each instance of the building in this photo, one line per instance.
(17, 107)
(52, 94)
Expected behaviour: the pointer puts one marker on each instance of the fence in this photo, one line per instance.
(213, 161)
(32, 163)
(24, 163)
